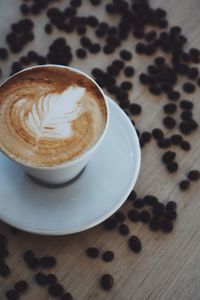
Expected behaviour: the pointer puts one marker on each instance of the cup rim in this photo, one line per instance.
(88, 151)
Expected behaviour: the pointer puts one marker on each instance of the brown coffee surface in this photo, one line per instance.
(49, 115)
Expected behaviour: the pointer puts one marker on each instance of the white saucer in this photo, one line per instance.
(98, 192)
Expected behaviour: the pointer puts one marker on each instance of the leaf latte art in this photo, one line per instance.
(49, 115)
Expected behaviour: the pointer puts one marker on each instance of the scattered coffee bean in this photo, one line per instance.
(170, 215)
(51, 279)
(159, 209)
(133, 215)
(145, 137)
(110, 223)
(144, 216)
(168, 157)
(107, 282)
(170, 108)
(81, 53)
(48, 28)
(172, 167)
(92, 252)
(108, 256)
(135, 244)
(125, 55)
(123, 229)
(120, 216)
(3, 53)
(171, 205)
(33, 263)
(164, 143)
(173, 95)
(176, 139)
(188, 87)
(169, 122)
(12, 295)
(185, 145)
(21, 286)
(166, 225)
(135, 109)
(184, 185)
(155, 224)
(67, 296)
(157, 134)
(41, 279)
(150, 200)
(185, 104)
(194, 175)
(139, 203)
(48, 262)
(56, 290)
(4, 270)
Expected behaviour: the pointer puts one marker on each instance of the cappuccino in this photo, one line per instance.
(50, 115)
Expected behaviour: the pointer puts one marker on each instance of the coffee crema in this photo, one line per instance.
(50, 115)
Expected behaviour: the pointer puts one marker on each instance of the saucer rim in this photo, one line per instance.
(111, 211)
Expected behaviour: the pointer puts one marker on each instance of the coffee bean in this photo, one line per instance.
(123, 229)
(120, 216)
(110, 223)
(155, 90)
(25, 10)
(21, 286)
(144, 216)
(176, 139)
(107, 282)
(67, 296)
(172, 167)
(81, 53)
(3, 53)
(168, 157)
(184, 185)
(188, 87)
(185, 145)
(4, 270)
(76, 3)
(159, 209)
(92, 21)
(51, 278)
(133, 215)
(92, 252)
(155, 224)
(135, 244)
(108, 49)
(48, 262)
(56, 290)
(41, 279)
(193, 175)
(146, 136)
(166, 225)
(95, 2)
(139, 203)
(135, 109)
(129, 71)
(159, 61)
(157, 134)
(170, 108)
(48, 28)
(185, 104)
(150, 200)
(12, 295)
(33, 263)
(126, 85)
(169, 122)
(173, 95)
(170, 215)
(164, 143)
(185, 127)
(108, 256)
(171, 205)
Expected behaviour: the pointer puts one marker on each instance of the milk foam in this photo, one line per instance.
(52, 115)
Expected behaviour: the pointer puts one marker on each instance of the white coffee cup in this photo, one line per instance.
(70, 169)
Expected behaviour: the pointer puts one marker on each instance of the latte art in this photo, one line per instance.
(49, 115)
(52, 115)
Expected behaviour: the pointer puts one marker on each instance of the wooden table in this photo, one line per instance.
(168, 266)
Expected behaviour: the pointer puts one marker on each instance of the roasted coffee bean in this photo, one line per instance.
(185, 104)
(41, 279)
(171, 205)
(159, 209)
(170, 215)
(4, 270)
(159, 61)
(185, 128)
(157, 134)
(12, 295)
(33, 263)
(169, 122)
(28, 255)
(120, 216)
(81, 53)
(150, 200)
(48, 262)
(168, 157)
(173, 95)
(172, 167)
(135, 109)
(135, 244)
(95, 2)
(51, 278)
(155, 224)
(194, 175)
(92, 252)
(67, 296)
(185, 145)
(176, 139)
(145, 136)
(139, 203)
(166, 225)
(189, 87)
(123, 229)
(48, 28)
(132, 196)
(108, 256)
(170, 108)
(184, 185)
(164, 143)
(56, 290)
(126, 85)
(110, 223)
(21, 286)
(155, 90)
(129, 71)
(107, 282)
(144, 216)
(133, 215)
(3, 53)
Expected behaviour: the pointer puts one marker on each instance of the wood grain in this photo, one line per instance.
(168, 266)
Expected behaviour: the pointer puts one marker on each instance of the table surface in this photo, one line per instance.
(168, 265)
